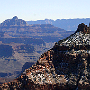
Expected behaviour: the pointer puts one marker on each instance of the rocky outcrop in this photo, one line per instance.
(64, 67)
(83, 28)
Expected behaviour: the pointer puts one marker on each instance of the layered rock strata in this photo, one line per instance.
(64, 67)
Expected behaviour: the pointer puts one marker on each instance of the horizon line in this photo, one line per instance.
(56, 19)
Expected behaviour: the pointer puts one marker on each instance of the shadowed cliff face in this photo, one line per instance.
(6, 51)
(64, 67)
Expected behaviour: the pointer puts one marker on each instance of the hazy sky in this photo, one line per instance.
(44, 9)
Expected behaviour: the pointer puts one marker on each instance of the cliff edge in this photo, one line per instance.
(64, 67)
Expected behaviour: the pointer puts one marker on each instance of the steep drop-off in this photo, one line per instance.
(64, 67)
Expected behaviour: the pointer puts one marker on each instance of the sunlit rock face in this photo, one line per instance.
(64, 67)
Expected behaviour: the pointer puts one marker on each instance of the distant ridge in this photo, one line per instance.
(66, 24)
(18, 28)
(14, 22)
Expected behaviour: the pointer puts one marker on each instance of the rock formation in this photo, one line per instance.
(64, 67)
(14, 22)
(83, 28)
(19, 28)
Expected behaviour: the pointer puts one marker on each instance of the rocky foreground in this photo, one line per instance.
(64, 67)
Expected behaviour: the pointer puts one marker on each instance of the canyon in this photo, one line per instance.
(21, 43)
(66, 66)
